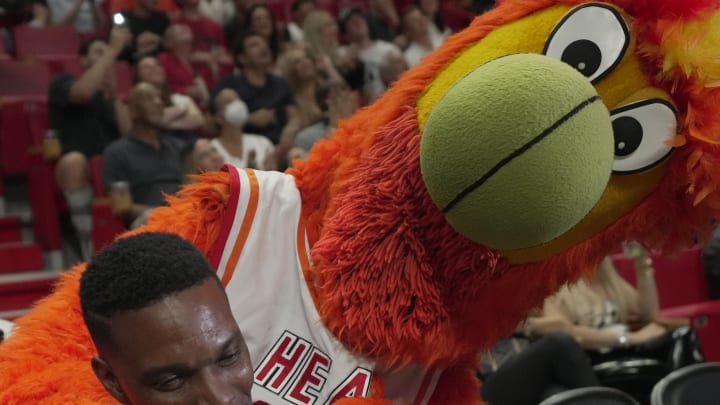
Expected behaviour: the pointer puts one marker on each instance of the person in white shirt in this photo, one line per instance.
(354, 28)
(236, 147)
(416, 27)
(299, 10)
(84, 15)
(431, 9)
(220, 11)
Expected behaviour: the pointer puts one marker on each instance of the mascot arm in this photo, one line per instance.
(47, 359)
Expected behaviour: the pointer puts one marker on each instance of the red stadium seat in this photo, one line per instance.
(3, 52)
(51, 43)
(705, 321)
(15, 140)
(23, 125)
(23, 80)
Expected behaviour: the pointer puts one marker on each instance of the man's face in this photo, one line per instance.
(257, 53)
(206, 157)
(302, 11)
(150, 71)
(95, 52)
(148, 4)
(185, 349)
(356, 28)
(416, 24)
(146, 105)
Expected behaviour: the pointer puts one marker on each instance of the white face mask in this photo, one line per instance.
(236, 113)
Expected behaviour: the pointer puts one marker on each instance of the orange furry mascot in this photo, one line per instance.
(511, 161)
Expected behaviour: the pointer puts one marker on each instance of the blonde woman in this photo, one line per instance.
(605, 311)
(303, 76)
(320, 31)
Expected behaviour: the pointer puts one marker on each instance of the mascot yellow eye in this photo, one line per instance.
(592, 38)
(642, 131)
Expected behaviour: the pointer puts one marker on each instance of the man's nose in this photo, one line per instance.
(217, 389)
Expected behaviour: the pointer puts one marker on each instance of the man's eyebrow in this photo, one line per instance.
(236, 338)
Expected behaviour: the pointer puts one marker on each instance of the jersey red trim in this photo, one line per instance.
(228, 217)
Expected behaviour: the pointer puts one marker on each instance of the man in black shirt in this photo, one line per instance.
(147, 25)
(147, 159)
(87, 116)
(268, 97)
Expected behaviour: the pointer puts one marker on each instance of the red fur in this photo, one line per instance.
(395, 281)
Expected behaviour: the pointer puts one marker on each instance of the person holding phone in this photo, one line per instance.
(147, 24)
(87, 115)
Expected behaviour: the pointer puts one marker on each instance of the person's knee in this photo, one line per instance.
(558, 342)
(72, 171)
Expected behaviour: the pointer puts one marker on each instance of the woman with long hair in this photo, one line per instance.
(605, 311)
(321, 36)
(262, 22)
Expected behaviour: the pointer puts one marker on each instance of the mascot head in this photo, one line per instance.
(511, 161)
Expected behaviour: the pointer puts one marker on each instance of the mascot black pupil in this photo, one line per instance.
(584, 55)
(628, 135)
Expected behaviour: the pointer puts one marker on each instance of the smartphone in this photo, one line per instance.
(118, 19)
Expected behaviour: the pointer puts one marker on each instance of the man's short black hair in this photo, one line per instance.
(296, 4)
(136, 272)
(239, 46)
(85, 45)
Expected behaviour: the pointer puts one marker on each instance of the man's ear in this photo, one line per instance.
(108, 379)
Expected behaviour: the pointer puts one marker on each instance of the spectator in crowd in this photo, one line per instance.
(233, 144)
(238, 25)
(268, 97)
(84, 15)
(208, 35)
(338, 102)
(299, 9)
(148, 25)
(478, 6)
(321, 37)
(220, 11)
(600, 311)
(416, 28)
(393, 65)
(34, 13)
(304, 79)
(383, 20)
(181, 112)
(87, 115)
(148, 160)
(168, 7)
(432, 11)
(354, 28)
(182, 76)
(162, 325)
(261, 22)
(200, 156)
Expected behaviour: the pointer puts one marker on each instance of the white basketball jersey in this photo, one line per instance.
(260, 256)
